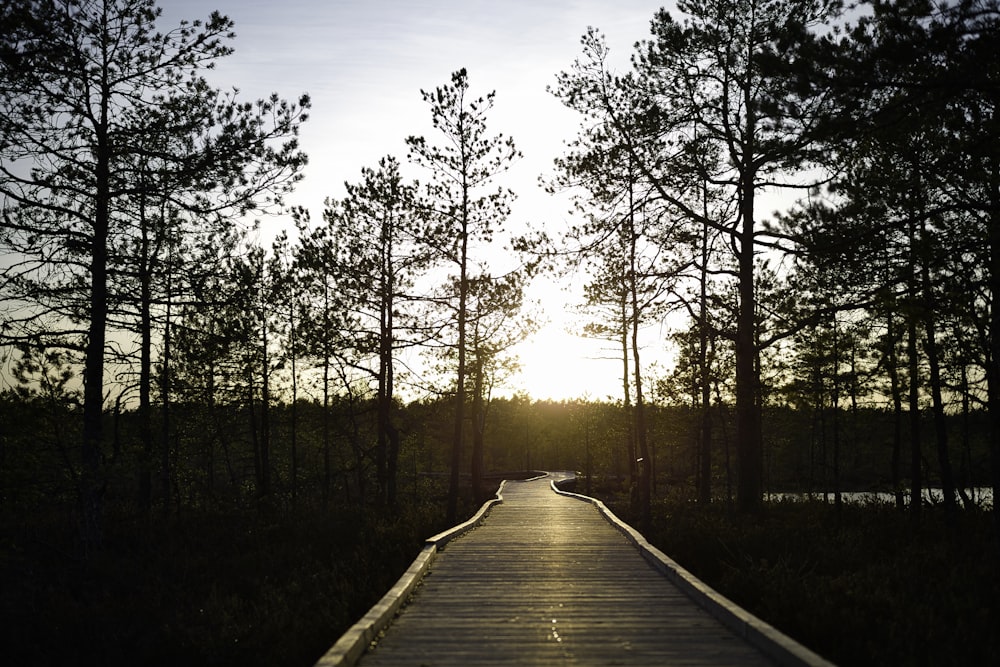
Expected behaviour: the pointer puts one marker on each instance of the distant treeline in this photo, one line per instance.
(131, 282)
(214, 452)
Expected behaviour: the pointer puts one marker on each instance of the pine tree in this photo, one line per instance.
(461, 215)
(106, 118)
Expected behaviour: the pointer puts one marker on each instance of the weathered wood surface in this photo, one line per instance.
(546, 580)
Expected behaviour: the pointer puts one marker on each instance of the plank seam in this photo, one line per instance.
(355, 642)
(772, 642)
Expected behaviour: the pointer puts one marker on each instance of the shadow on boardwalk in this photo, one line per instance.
(548, 579)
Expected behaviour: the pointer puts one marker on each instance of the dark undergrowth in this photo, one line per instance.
(862, 586)
(241, 587)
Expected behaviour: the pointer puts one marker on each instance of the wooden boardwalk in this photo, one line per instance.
(547, 579)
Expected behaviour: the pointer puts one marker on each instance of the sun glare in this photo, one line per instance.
(557, 365)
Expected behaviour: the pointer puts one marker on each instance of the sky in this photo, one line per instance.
(364, 62)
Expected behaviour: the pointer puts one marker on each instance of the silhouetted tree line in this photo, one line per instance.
(874, 291)
(164, 357)
(175, 355)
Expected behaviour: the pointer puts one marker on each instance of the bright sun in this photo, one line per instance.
(558, 365)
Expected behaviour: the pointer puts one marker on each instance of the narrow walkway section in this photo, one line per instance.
(545, 579)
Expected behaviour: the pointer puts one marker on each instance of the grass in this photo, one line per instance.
(201, 589)
(862, 586)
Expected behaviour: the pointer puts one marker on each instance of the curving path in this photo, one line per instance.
(545, 579)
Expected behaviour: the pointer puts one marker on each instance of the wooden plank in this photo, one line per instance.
(776, 644)
(353, 643)
(547, 580)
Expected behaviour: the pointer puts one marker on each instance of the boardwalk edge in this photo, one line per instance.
(774, 643)
(355, 642)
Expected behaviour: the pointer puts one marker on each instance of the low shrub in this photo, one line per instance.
(860, 586)
(208, 589)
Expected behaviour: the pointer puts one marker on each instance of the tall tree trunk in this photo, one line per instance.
(93, 396)
(165, 396)
(705, 430)
(627, 398)
(748, 434)
(265, 418)
(586, 446)
(854, 391)
(815, 420)
(824, 466)
(325, 419)
(383, 391)
(837, 496)
(478, 435)
(145, 362)
(463, 295)
(993, 367)
(254, 432)
(749, 445)
(916, 478)
(937, 401)
(388, 436)
(896, 391)
(642, 439)
(965, 468)
(93, 373)
(642, 442)
(292, 343)
(381, 448)
(630, 437)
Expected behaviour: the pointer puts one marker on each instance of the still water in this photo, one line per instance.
(982, 496)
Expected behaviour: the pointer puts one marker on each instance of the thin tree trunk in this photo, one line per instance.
(627, 399)
(382, 416)
(749, 445)
(358, 449)
(748, 433)
(145, 362)
(966, 460)
(254, 433)
(642, 442)
(325, 419)
(705, 432)
(384, 390)
(586, 445)
(837, 496)
(993, 367)
(478, 424)
(723, 417)
(390, 426)
(165, 397)
(937, 401)
(265, 419)
(389, 434)
(93, 372)
(824, 466)
(295, 399)
(463, 294)
(916, 480)
(814, 429)
(896, 392)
